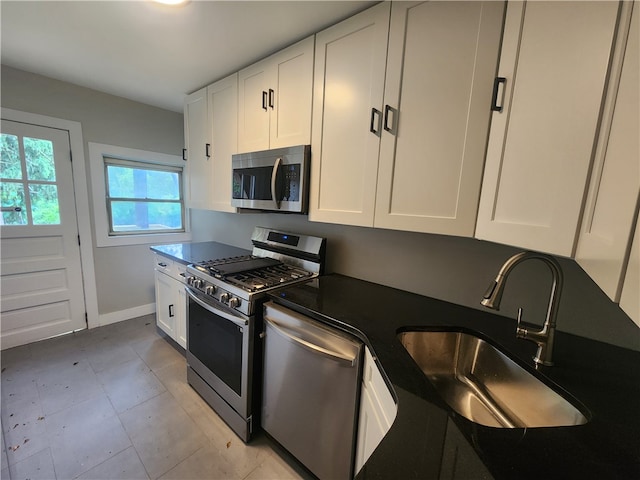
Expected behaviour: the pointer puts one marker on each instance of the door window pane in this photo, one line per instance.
(14, 210)
(44, 204)
(10, 166)
(39, 157)
(34, 200)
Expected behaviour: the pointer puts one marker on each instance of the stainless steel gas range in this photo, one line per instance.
(224, 316)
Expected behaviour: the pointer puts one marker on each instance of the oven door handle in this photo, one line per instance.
(227, 316)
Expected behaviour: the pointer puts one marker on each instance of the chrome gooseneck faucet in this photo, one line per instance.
(543, 338)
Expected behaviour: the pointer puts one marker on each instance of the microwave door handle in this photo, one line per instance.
(274, 181)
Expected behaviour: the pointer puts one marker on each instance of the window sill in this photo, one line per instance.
(156, 238)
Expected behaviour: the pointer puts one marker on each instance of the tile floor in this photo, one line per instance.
(113, 403)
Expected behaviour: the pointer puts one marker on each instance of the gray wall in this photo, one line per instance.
(454, 269)
(449, 268)
(124, 275)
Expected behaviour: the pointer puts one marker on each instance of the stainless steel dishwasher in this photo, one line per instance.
(310, 391)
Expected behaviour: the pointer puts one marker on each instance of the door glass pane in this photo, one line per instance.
(9, 157)
(40, 162)
(44, 204)
(12, 197)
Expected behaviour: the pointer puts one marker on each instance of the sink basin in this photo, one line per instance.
(484, 385)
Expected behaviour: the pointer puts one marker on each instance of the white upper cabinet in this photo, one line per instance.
(441, 65)
(196, 138)
(274, 99)
(407, 152)
(612, 203)
(222, 114)
(554, 60)
(210, 126)
(348, 94)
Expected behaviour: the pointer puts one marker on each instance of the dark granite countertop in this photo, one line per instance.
(603, 378)
(187, 253)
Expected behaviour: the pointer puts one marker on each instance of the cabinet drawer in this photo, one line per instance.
(175, 270)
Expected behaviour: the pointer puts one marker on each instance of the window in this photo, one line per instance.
(29, 192)
(143, 198)
(138, 196)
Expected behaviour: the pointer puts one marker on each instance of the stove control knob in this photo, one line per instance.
(224, 298)
(234, 302)
(210, 290)
(190, 280)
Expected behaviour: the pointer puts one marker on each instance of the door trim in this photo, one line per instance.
(81, 199)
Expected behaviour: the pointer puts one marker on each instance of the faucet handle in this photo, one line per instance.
(520, 332)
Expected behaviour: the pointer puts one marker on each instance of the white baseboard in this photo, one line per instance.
(121, 315)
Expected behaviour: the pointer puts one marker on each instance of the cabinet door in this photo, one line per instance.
(223, 123)
(290, 95)
(348, 92)
(437, 111)
(608, 222)
(181, 315)
(253, 112)
(554, 59)
(377, 410)
(165, 303)
(196, 137)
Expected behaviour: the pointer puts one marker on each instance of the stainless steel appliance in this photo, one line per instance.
(310, 391)
(275, 180)
(224, 314)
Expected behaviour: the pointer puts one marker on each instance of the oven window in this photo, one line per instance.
(217, 343)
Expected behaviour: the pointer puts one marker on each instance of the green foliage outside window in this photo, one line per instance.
(35, 162)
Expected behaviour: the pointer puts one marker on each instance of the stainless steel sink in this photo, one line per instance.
(484, 385)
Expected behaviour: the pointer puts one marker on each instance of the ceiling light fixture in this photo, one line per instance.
(171, 2)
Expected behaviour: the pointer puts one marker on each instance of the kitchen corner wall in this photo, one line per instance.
(453, 269)
(124, 275)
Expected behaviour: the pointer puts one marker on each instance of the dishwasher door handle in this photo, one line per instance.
(336, 356)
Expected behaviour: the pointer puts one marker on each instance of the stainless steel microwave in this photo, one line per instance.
(273, 180)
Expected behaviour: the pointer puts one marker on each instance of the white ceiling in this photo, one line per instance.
(154, 53)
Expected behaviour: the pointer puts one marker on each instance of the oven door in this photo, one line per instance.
(220, 349)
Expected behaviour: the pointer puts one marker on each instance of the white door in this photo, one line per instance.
(41, 275)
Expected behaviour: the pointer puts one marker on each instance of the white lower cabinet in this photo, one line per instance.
(171, 307)
(377, 411)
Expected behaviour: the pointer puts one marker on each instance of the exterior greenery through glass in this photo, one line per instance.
(143, 197)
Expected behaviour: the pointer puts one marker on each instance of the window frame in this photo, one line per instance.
(99, 155)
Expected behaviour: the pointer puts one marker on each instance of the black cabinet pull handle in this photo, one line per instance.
(184, 154)
(374, 126)
(170, 311)
(264, 100)
(207, 150)
(390, 129)
(496, 88)
(271, 97)
(162, 264)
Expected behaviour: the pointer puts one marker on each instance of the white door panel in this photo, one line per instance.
(41, 278)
